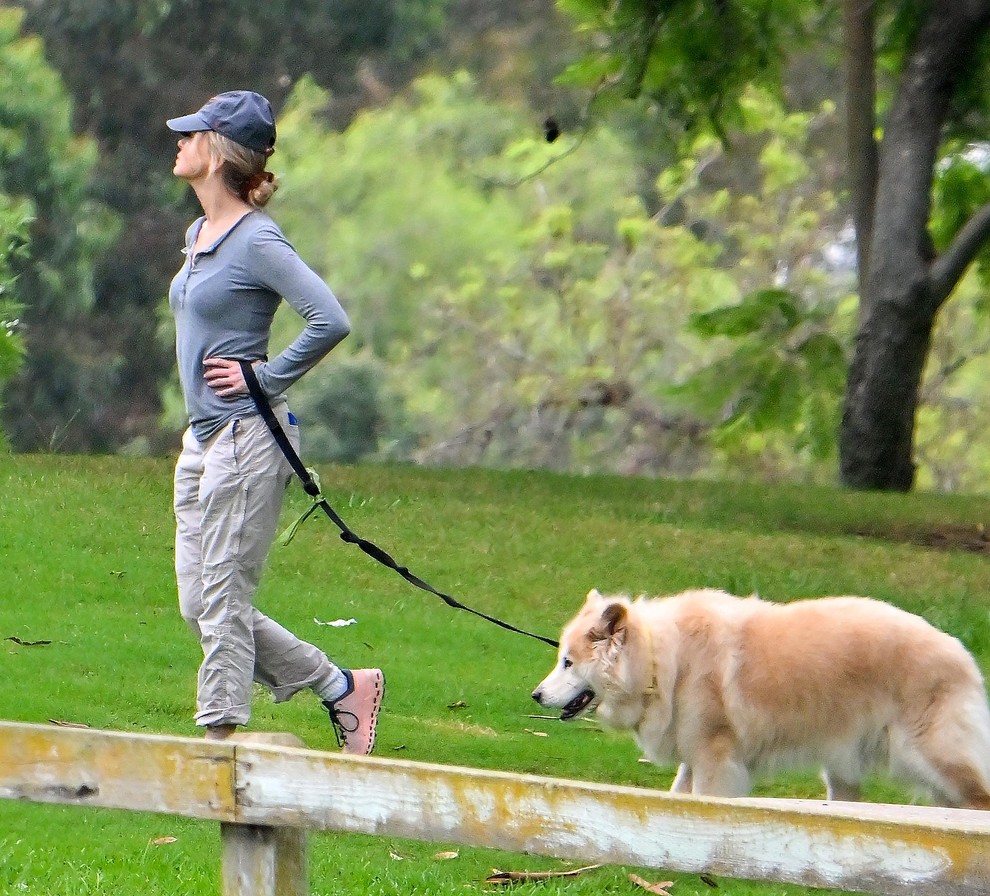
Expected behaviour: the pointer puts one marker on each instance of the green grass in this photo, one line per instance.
(86, 549)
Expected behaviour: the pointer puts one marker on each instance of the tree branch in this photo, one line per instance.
(649, 38)
(586, 124)
(952, 263)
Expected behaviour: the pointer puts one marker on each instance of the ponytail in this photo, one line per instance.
(243, 170)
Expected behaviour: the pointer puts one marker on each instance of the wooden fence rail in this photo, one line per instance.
(267, 793)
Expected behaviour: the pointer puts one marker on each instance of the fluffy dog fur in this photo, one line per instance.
(728, 685)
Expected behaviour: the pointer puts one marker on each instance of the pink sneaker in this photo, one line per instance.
(355, 714)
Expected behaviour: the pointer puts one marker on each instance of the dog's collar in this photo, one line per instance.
(654, 685)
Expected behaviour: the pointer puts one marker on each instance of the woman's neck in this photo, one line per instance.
(220, 206)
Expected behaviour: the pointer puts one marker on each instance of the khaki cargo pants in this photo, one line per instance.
(228, 497)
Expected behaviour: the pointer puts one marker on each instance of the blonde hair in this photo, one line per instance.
(243, 170)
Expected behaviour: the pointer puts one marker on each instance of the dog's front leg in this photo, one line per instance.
(728, 778)
(716, 770)
(682, 780)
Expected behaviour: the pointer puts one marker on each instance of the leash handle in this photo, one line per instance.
(346, 533)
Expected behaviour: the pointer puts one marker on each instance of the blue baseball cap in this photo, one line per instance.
(242, 115)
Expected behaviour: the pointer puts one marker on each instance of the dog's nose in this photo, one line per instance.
(537, 695)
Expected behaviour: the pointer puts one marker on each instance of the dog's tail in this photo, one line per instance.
(951, 753)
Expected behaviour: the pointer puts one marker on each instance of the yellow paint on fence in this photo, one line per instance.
(260, 781)
(75, 766)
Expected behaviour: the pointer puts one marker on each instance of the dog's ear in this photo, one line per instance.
(614, 618)
(612, 624)
(594, 596)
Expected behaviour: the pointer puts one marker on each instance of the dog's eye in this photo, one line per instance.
(566, 663)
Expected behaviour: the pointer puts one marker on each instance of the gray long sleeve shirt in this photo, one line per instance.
(224, 299)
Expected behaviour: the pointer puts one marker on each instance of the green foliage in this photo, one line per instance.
(345, 414)
(42, 161)
(435, 259)
(692, 58)
(952, 437)
(517, 313)
(562, 347)
(394, 206)
(45, 170)
(774, 311)
(773, 390)
(595, 328)
(960, 189)
(524, 546)
(15, 218)
(530, 310)
(129, 65)
(784, 373)
(697, 60)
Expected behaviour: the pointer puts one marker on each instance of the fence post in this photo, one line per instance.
(260, 860)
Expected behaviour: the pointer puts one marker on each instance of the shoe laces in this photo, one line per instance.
(337, 720)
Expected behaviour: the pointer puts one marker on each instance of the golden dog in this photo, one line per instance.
(728, 685)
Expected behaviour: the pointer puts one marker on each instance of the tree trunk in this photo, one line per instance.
(905, 285)
(861, 99)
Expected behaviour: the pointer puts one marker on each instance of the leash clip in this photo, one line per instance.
(318, 499)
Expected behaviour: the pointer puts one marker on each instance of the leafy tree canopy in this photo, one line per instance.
(45, 177)
(528, 313)
(42, 161)
(129, 65)
(693, 58)
(914, 79)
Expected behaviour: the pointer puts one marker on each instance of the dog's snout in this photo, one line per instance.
(538, 695)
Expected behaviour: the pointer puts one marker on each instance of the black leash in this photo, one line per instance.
(346, 533)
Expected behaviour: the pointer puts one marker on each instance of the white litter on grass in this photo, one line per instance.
(336, 623)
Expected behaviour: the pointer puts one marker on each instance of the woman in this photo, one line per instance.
(231, 476)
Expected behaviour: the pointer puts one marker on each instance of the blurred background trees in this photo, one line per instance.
(915, 94)
(54, 232)
(646, 265)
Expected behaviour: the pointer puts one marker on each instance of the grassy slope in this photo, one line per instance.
(85, 545)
